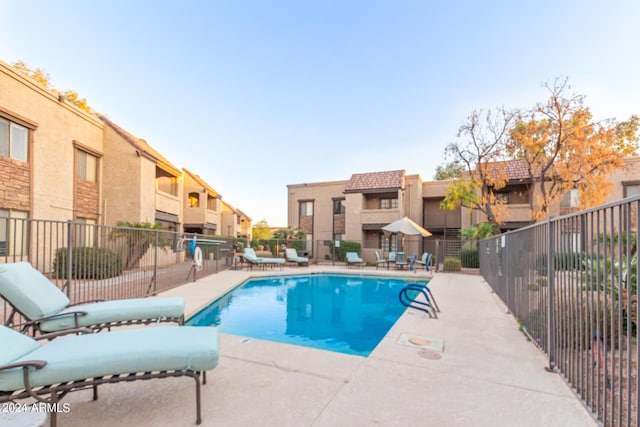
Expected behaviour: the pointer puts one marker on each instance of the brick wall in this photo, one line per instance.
(86, 200)
(306, 224)
(339, 223)
(14, 185)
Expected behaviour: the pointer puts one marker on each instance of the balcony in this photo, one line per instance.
(520, 212)
(379, 216)
(165, 202)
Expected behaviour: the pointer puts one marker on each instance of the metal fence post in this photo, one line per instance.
(155, 263)
(69, 260)
(551, 342)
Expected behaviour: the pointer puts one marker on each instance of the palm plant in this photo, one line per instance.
(477, 232)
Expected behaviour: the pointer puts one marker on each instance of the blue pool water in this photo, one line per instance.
(342, 313)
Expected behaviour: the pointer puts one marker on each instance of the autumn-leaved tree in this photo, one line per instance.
(481, 144)
(44, 80)
(564, 148)
(558, 142)
(261, 230)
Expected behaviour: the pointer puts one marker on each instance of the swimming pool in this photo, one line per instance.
(342, 313)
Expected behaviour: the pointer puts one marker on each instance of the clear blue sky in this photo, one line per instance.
(255, 95)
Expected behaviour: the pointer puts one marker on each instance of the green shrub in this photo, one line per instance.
(470, 258)
(241, 243)
(346, 247)
(87, 263)
(452, 264)
(562, 261)
(297, 244)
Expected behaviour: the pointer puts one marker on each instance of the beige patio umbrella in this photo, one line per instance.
(405, 226)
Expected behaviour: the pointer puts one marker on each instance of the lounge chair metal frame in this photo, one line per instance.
(27, 321)
(291, 256)
(33, 326)
(56, 392)
(352, 258)
(251, 260)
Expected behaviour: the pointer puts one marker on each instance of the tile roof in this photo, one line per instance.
(516, 170)
(376, 181)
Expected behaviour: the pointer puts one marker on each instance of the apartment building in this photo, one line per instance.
(60, 162)
(358, 208)
(143, 186)
(202, 208)
(235, 223)
(354, 209)
(51, 154)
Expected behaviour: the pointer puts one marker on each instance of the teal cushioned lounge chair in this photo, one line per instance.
(49, 371)
(250, 256)
(352, 258)
(292, 256)
(47, 308)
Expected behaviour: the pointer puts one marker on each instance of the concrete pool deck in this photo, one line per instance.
(478, 370)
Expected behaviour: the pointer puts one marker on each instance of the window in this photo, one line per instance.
(84, 232)
(631, 189)
(87, 166)
(387, 244)
(306, 208)
(388, 203)
(194, 200)
(13, 232)
(571, 199)
(338, 206)
(14, 141)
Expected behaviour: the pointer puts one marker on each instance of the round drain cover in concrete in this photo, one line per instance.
(428, 354)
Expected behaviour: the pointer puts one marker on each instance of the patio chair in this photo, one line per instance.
(252, 259)
(47, 372)
(352, 258)
(47, 308)
(425, 260)
(381, 260)
(291, 255)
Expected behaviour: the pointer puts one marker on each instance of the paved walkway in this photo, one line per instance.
(479, 371)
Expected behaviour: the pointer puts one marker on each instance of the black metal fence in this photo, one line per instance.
(572, 284)
(89, 261)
